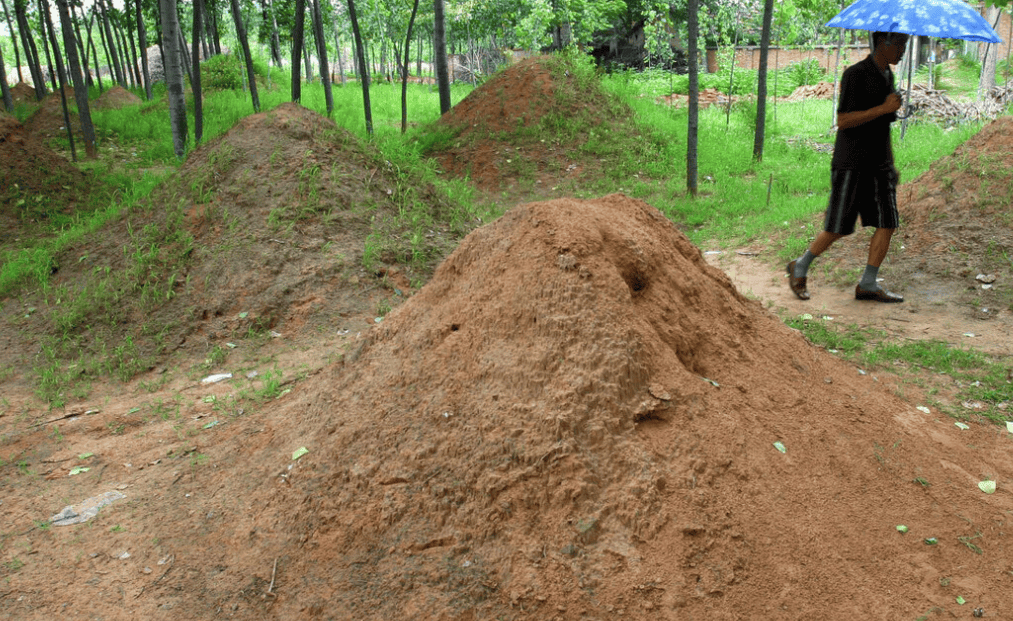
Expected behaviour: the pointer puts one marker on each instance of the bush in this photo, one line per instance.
(803, 73)
(223, 71)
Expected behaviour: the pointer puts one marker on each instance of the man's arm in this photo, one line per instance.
(847, 120)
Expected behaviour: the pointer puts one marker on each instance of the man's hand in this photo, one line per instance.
(892, 103)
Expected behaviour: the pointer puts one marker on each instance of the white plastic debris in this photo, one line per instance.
(1009, 426)
(922, 408)
(962, 426)
(217, 377)
(987, 486)
(986, 278)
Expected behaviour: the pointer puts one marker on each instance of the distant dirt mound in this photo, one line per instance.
(21, 92)
(493, 142)
(47, 121)
(822, 90)
(36, 181)
(117, 97)
(578, 418)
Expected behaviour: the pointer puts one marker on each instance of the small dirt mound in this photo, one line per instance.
(822, 90)
(21, 92)
(47, 121)
(265, 228)
(117, 97)
(36, 181)
(577, 416)
(958, 216)
(514, 134)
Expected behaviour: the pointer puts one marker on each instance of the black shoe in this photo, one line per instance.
(879, 295)
(797, 285)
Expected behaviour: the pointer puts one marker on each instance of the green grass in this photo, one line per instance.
(979, 377)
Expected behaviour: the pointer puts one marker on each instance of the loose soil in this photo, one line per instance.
(575, 417)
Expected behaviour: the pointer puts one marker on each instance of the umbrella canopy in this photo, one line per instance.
(946, 19)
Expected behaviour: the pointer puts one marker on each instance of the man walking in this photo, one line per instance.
(862, 172)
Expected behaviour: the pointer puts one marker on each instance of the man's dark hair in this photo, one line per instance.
(881, 37)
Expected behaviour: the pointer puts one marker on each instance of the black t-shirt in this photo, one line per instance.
(866, 147)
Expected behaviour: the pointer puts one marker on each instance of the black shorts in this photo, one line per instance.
(871, 194)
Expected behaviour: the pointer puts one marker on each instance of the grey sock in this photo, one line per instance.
(868, 282)
(802, 264)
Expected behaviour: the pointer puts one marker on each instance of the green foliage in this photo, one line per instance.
(223, 71)
(803, 72)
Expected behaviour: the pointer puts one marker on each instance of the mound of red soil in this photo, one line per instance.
(117, 97)
(578, 418)
(488, 143)
(36, 181)
(265, 229)
(822, 90)
(22, 92)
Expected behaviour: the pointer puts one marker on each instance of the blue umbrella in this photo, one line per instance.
(946, 19)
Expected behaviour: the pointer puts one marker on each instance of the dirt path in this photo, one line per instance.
(932, 309)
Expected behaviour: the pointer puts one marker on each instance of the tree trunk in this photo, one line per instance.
(440, 50)
(123, 52)
(129, 33)
(363, 73)
(216, 38)
(111, 53)
(94, 51)
(142, 40)
(306, 49)
(174, 75)
(761, 87)
(198, 102)
(325, 75)
(82, 46)
(986, 82)
(80, 86)
(14, 40)
(49, 32)
(5, 91)
(275, 40)
(341, 60)
(105, 47)
(184, 50)
(46, 41)
(404, 75)
(297, 45)
(244, 42)
(694, 99)
(31, 52)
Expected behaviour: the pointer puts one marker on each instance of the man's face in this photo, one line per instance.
(893, 48)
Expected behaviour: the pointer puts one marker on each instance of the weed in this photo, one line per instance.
(117, 529)
(967, 539)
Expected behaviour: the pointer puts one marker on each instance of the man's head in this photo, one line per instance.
(890, 45)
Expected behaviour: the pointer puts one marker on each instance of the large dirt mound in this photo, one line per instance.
(577, 418)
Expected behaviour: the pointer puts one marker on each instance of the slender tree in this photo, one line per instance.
(81, 45)
(440, 50)
(46, 42)
(275, 39)
(142, 41)
(31, 52)
(80, 86)
(363, 72)
(761, 85)
(244, 42)
(5, 90)
(14, 40)
(94, 52)
(174, 74)
(325, 74)
(50, 33)
(692, 20)
(198, 102)
(110, 44)
(297, 43)
(404, 68)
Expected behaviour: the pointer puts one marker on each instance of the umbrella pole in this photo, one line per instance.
(910, 74)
